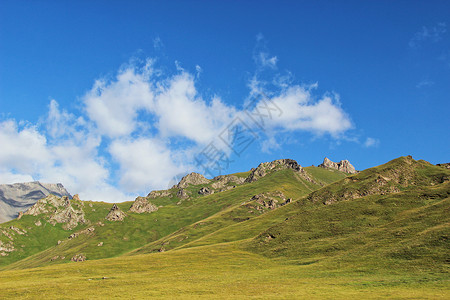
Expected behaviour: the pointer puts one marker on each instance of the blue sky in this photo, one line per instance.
(116, 98)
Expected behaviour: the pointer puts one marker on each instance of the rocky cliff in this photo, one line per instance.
(343, 166)
(18, 197)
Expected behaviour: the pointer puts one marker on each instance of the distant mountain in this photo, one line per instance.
(18, 197)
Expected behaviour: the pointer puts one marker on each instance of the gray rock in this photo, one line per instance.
(192, 179)
(182, 194)
(18, 197)
(142, 205)
(343, 166)
(115, 214)
(205, 191)
(59, 210)
(281, 164)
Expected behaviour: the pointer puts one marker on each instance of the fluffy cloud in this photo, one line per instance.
(138, 130)
(297, 110)
(114, 106)
(181, 112)
(144, 164)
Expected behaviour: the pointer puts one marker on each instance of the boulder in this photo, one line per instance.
(78, 257)
(205, 191)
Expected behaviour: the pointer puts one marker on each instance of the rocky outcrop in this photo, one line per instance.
(205, 191)
(87, 231)
(182, 194)
(223, 181)
(18, 197)
(446, 165)
(267, 201)
(78, 257)
(59, 210)
(281, 164)
(192, 179)
(142, 205)
(115, 214)
(343, 166)
(159, 194)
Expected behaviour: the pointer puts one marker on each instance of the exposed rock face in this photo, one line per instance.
(268, 201)
(142, 205)
(18, 197)
(223, 180)
(205, 191)
(115, 214)
(265, 168)
(59, 210)
(192, 179)
(343, 166)
(446, 165)
(157, 194)
(182, 194)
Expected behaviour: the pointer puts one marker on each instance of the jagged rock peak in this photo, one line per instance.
(193, 179)
(265, 168)
(142, 205)
(343, 166)
(115, 214)
(59, 210)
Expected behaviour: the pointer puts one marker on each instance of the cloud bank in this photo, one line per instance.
(138, 130)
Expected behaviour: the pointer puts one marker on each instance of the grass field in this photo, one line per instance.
(218, 271)
(383, 233)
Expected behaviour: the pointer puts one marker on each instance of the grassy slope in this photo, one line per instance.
(394, 246)
(409, 227)
(211, 272)
(141, 229)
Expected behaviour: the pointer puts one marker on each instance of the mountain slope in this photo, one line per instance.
(18, 197)
(381, 233)
(172, 211)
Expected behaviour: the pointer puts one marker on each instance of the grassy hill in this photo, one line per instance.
(50, 244)
(382, 233)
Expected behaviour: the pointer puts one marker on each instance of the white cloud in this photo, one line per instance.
(145, 164)
(433, 34)
(265, 61)
(182, 113)
(114, 106)
(299, 111)
(371, 142)
(138, 130)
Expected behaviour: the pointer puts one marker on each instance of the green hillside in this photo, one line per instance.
(100, 238)
(381, 233)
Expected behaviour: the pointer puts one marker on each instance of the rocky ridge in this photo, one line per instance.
(266, 168)
(343, 166)
(389, 178)
(192, 179)
(18, 197)
(59, 210)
